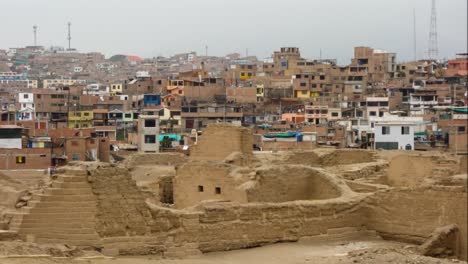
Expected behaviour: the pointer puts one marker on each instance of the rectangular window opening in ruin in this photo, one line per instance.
(200, 188)
(218, 190)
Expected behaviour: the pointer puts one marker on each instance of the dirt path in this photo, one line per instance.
(364, 251)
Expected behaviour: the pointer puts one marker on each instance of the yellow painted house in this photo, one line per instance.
(302, 94)
(80, 119)
(116, 89)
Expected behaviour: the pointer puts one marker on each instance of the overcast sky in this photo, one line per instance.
(150, 28)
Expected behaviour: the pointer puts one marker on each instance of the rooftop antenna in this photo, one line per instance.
(433, 51)
(414, 34)
(35, 34)
(69, 36)
(206, 50)
(246, 52)
(320, 53)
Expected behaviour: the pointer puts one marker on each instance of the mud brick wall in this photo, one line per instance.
(412, 215)
(122, 210)
(233, 139)
(228, 227)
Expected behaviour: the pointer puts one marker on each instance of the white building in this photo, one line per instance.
(372, 128)
(394, 135)
(27, 108)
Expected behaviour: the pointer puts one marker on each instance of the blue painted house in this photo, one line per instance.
(151, 99)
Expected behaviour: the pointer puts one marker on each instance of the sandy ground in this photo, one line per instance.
(363, 251)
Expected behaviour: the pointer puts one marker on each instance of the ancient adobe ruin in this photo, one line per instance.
(225, 197)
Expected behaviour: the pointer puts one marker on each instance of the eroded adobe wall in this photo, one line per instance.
(220, 140)
(413, 215)
(122, 210)
(228, 227)
(330, 157)
(410, 170)
(171, 159)
(208, 176)
(342, 157)
(291, 183)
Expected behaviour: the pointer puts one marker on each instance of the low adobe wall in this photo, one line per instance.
(229, 226)
(413, 214)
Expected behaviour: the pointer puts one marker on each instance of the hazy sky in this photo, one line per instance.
(164, 27)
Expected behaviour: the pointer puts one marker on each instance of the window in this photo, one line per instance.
(200, 188)
(38, 96)
(303, 84)
(75, 143)
(20, 159)
(372, 113)
(150, 139)
(322, 77)
(250, 74)
(218, 190)
(385, 130)
(150, 123)
(25, 96)
(405, 130)
(242, 74)
(86, 114)
(76, 156)
(461, 129)
(334, 114)
(304, 92)
(128, 115)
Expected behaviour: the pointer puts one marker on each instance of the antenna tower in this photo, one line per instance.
(414, 35)
(69, 36)
(35, 34)
(433, 51)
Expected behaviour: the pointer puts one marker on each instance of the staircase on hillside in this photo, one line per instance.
(64, 213)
